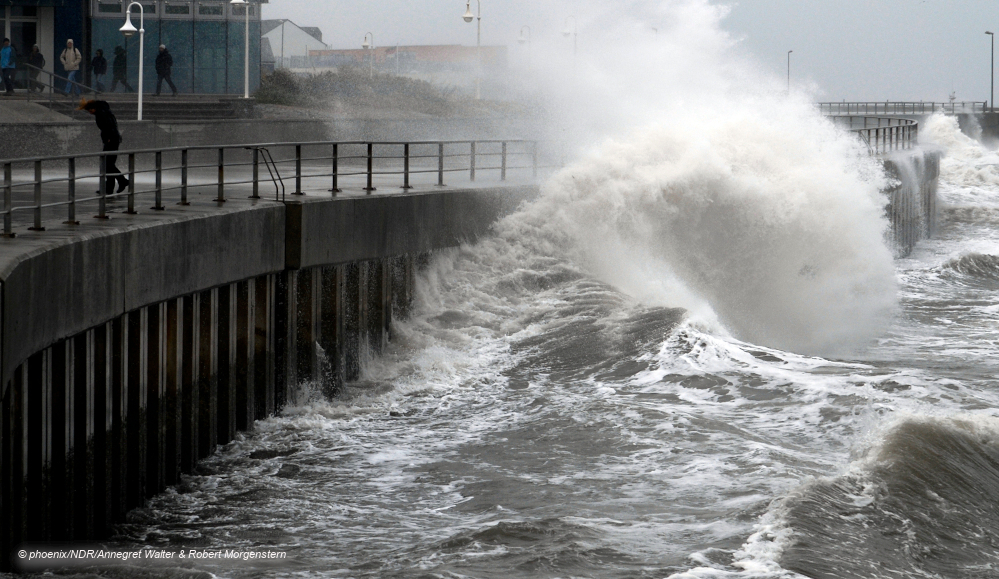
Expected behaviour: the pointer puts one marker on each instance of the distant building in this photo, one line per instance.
(431, 59)
(290, 44)
(205, 38)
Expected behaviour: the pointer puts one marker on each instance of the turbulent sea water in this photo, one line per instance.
(684, 363)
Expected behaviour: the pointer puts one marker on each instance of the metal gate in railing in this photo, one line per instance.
(47, 186)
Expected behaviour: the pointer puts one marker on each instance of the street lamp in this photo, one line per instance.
(371, 57)
(246, 50)
(993, 95)
(789, 71)
(129, 30)
(525, 38)
(574, 32)
(468, 16)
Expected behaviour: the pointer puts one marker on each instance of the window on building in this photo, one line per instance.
(210, 9)
(23, 11)
(241, 10)
(177, 9)
(149, 8)
(109, 8)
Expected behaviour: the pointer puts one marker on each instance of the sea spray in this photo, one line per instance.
(779, 231)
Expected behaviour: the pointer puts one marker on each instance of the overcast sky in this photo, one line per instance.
(846, 49)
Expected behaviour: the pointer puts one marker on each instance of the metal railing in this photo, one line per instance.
(38, 185)
(902, 108)
(881, 134)
(31, 83)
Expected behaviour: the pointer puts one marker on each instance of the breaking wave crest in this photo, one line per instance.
(779, 238)
(923, 502)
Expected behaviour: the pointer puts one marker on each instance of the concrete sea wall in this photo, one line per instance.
(130, 353)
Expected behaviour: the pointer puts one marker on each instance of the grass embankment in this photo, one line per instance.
(350, 92)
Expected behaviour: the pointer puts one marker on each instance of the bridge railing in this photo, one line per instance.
(881, 134)
(49, 184)
(902, 108)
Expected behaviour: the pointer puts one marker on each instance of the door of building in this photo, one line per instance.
(20, 25)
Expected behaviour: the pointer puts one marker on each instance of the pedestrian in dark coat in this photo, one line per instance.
(108, 125)
(99, 67)
(36, 60)
(164, 62)
(119, 69)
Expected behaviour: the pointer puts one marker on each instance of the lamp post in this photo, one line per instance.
(128, 29)
(468, 16)
(246, 44)
(992, 96)
(789, 71)
(526, 39)
(574, 32)
(371, 56)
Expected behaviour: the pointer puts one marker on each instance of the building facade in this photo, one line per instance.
(291, 44)
(205, 38)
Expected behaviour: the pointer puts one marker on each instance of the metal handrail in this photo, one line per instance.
(901, 108)
(390, 151)
(51, 84)
(881, 134)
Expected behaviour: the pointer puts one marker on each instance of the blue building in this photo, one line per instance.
(205, 37)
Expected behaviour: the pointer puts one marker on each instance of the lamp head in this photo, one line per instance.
(989, 33)
(128, 29)
(237, 2)
(366, 44)
(522, 39)
(468, 12)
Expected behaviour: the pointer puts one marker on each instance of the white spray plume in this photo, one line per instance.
(703, 184)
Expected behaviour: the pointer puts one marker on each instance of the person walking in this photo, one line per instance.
(36, 60)
(119, 69)
(98, 68)
(108, 125)
(8, 64)
(164, 62)
(71, 59)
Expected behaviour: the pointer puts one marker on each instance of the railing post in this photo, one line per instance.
(371, 166)
(256, 174)
(71, 190)
(102, 191)
(336, 168)
(131, 185)
(183, 178)
(405, 167)
(159, 181)
(38, 198)
(471, 168)
(534, 159)
(503, 164)
(298, 170)
(8, 226)
(440, 164)
(221, 193)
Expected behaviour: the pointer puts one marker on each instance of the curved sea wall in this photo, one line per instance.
(129, 352)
